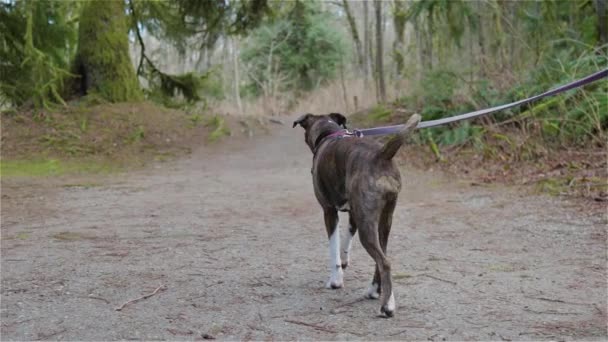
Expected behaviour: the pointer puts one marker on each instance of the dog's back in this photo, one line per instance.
(358, 168)
(353, 167)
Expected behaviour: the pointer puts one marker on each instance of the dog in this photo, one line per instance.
(356, 175)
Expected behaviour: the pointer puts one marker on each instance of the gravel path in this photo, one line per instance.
(232, 240)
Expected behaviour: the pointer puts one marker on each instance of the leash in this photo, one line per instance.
(432, 123)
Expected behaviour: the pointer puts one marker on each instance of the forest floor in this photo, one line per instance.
(230, 242)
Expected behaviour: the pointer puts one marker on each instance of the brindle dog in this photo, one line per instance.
(356, 175)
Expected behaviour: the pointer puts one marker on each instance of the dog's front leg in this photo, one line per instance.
(347, 242)
(335, 264)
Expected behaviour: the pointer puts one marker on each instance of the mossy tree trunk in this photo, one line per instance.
(380, 53)
(102, 60)
(399, 21)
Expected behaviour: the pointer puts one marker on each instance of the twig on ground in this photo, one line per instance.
(551, 312)
(437, 278)
(98, 298)
(262, 329)
(160, 288)
(335, 310)
(474, 323)
(7, 325)
(276, 121)
(410, 327)
(503, 338)
(180, 332)
(317, 327)
(42, 336)
(556, 300)
(350, 303)
(598, 309)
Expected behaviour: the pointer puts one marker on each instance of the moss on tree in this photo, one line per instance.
(102, 60)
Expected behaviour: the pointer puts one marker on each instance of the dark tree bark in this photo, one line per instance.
(379, 53)
(429, 42)
(355, 34)
(420, 48)
(399, 21)
(102, 60)
(481, 38)
(367, 46)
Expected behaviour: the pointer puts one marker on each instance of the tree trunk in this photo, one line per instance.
(343, 83)
(481, 38)
(102, 60)
(237, 78)
(419, 47)
(367, 46)
(355, 33)
(429, 42)
(379, 53)
(602, 25)
(399, 20)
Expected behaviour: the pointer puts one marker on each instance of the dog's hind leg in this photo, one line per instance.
(335, 264)
(384, 229)
(348, 241)
(373, 291)
(371, 242)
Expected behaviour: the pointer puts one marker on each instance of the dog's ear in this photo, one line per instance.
(303, 120)
(338, 118)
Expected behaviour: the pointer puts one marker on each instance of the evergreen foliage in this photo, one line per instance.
(37, 40)
(52, 50)
(301, 47)
(480, 48)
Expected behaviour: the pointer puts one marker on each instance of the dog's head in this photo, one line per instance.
(318, 126)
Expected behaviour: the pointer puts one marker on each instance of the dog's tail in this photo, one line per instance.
(391, 147)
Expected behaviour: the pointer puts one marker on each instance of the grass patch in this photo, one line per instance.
(195, 119)
(218, 125)
(89, 137)
(23, 236)
(380, 114)
(551, 186)
(18, 236)
(501, 268)
(398, 276)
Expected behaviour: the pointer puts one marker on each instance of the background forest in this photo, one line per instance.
(69, 69)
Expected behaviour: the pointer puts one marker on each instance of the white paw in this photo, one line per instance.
(389, 308)
(336, 279)
(372, 291)
(391, 303)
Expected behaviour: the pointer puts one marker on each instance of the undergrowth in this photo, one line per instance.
(218, 127)
(85, 138)
(539, 137)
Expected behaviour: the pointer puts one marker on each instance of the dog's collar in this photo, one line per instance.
(337, 134)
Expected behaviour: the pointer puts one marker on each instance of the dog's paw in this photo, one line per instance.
(389, 308)
(334, 285)
(336, 279)
(386, 312)
(372, 291)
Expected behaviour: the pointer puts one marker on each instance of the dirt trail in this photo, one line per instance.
(236, 237)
